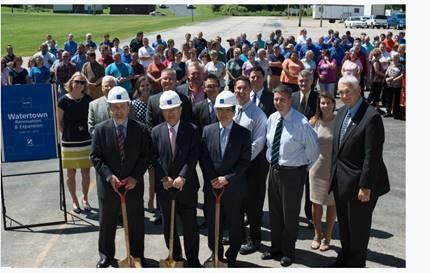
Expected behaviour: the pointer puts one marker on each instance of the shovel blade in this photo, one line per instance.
(167, 263)
(130, 262)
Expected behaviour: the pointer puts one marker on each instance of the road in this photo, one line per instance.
(35, 199)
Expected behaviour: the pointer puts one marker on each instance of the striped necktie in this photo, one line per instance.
(345, 124)
(121, 139)
(277, 143)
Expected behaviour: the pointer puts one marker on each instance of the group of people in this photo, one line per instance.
(268, 123)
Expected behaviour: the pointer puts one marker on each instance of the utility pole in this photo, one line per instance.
(300, 15)
(321, 14)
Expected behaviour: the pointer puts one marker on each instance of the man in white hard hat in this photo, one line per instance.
(176, 151)
(225, 156)
(121, 151)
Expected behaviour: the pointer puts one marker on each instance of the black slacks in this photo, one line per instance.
(186, 209)
(231, 207)
(256, 176)
(285, 195)
(355, 220)
(108, 218)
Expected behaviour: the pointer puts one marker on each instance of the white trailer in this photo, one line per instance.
(370, 9)
(336, 12)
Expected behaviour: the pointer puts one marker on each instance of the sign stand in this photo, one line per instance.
(61, 181)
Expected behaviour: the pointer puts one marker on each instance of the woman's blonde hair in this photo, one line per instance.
(68, 84)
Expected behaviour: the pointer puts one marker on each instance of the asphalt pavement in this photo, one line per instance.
(35, 199)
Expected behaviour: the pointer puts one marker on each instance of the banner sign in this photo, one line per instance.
(28, 122)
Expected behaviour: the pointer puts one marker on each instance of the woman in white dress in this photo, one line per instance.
(319, 174)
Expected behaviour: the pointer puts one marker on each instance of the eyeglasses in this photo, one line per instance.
(80, 82)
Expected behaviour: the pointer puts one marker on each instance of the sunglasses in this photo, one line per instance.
(80, 82)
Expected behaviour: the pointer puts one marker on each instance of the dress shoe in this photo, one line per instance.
(336, 263)
(231, 264)
(225, 240)
(268, 255)
(286, 261)
(209, 259)
(86, 206)
(249, 248)
(104, 263)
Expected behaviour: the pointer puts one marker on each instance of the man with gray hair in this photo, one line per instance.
(99, 109)
(358, 173)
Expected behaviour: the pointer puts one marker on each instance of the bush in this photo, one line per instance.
(233, 10)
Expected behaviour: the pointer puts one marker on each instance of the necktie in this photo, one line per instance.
(345, 124)
(238, 115)
(121, 139)
(212, 114)
(302, 107)
(277, 142)
(172, 136)
(223, 141)
(254, 99)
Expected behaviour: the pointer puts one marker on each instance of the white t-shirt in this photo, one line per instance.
(146, 52)
(216, 70)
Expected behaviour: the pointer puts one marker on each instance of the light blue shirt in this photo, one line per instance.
(299, 142)
(253, 119)
(223, 140)
(125, 124)
(353, 110)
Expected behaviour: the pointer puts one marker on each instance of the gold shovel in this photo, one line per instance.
(129, 261)
(216, 262)
(170, 262)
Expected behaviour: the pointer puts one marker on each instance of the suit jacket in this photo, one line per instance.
(183, 89)
(201, 116)
(99, 111)
(186, 155)
(232, 166)
(266, 102)
(106, 157)
(311, 107)
(357, 160)
(154, 115)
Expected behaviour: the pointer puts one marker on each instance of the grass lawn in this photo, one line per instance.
(26, 31)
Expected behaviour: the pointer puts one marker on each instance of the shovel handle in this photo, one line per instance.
(122, 191)
(218, 194)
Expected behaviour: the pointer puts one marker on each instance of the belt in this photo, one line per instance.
(287, 168)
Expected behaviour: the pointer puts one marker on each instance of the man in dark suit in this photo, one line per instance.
(176, 149)
(358, 172)
(225, 156)
(305, 102)
(260, 95)
(121, 151)
(193, 88)
(154, 114)
(204, 114)
(204, 111)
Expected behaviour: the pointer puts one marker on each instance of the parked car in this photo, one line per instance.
(377, 21)
(354, 21)
(397, 21)
(162, 6)
(156, 13)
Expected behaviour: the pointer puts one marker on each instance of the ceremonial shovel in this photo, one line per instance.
(170, 262)
(129, 261)
(216, 262)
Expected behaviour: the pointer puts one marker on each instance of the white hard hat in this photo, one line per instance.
(118, 95)
(169, 99)
(225, 99)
